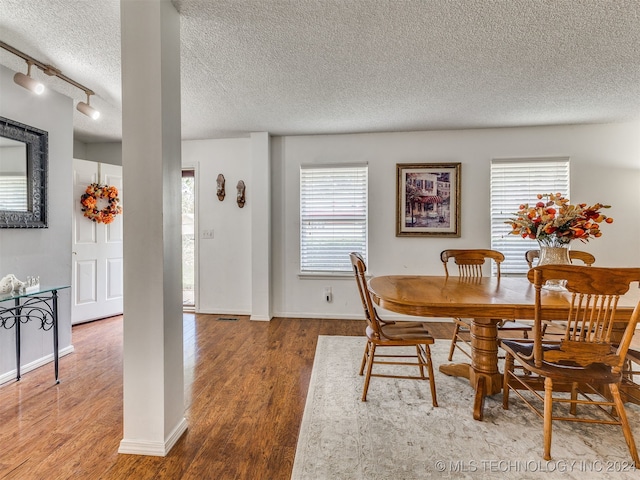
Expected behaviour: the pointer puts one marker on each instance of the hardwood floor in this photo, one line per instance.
(245, 389)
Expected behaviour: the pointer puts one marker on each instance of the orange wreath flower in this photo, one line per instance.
(89, 202)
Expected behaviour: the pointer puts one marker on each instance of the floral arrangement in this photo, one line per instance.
(89, 202)
(554, 222)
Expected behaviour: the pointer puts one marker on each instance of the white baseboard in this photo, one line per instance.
(350, 316)
(11, 375)
(360, 316)
(156, 449)
(223, 312)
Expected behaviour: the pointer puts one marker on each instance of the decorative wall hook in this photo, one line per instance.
(241, 189)
(220, 187)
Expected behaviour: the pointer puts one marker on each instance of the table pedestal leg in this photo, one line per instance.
(484, 374)
(456, 370)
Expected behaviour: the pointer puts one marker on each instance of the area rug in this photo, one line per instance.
(398, 435)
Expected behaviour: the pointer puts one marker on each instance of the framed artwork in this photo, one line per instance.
(428, 199)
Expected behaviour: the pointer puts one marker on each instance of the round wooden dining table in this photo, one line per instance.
(487, 301)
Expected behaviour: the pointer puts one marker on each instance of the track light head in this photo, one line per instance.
(27, 82)
(87, 109)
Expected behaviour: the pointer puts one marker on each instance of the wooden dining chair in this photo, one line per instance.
(550, 328)
(630, 388)
(585, 257)
(587, 362)
(470, 264)
(391, 335)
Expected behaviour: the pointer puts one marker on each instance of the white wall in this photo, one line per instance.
(605, 167)
(45, 252)
(224, 267)
(109, 152)
(80, 150)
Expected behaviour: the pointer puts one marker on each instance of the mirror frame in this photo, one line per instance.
(37, 142)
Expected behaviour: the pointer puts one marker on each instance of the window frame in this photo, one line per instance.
(339, 219)
(504, 201)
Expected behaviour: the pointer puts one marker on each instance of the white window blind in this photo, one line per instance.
(13, 193)
(333, 217)
(514, 182)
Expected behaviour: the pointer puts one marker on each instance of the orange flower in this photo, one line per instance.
(90, 202)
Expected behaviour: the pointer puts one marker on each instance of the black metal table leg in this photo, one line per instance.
(17, 320)
(54, 312)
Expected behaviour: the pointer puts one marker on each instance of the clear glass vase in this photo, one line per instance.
(554, 256)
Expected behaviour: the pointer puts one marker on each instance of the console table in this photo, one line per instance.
(18, 308)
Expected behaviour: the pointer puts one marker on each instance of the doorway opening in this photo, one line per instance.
(188, 240)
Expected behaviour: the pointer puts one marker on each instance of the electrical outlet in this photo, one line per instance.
(207, 234)
(328, 296)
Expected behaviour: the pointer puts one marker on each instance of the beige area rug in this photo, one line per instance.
(398, 435)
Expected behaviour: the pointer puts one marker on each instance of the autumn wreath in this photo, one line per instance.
(89, 201)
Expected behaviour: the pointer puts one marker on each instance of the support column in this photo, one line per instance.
(151, 160)
(260, 227)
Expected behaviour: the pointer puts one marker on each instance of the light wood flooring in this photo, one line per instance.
(245, 389)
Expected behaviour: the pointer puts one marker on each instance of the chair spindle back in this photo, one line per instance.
(585, 257)
(592, 316)
(470, 262)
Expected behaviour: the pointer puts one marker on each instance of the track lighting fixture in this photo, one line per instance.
(87, 109)
(30, 84)
(27, 82)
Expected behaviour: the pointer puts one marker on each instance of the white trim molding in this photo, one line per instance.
(157, 449)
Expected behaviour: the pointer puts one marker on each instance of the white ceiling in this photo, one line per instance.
(344, 66)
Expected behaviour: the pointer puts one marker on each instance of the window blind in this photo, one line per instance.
(514, 182)
(13, 193)
(333, 217)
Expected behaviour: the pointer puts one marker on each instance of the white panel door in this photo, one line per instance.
(97, 249)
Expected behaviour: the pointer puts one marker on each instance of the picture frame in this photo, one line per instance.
(428, 199)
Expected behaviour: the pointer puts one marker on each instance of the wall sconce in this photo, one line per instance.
(241, 189)
(220, 187)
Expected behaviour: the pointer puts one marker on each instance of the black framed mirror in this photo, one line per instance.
(24, 158)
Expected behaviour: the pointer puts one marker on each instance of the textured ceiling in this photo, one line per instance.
(346, 66)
